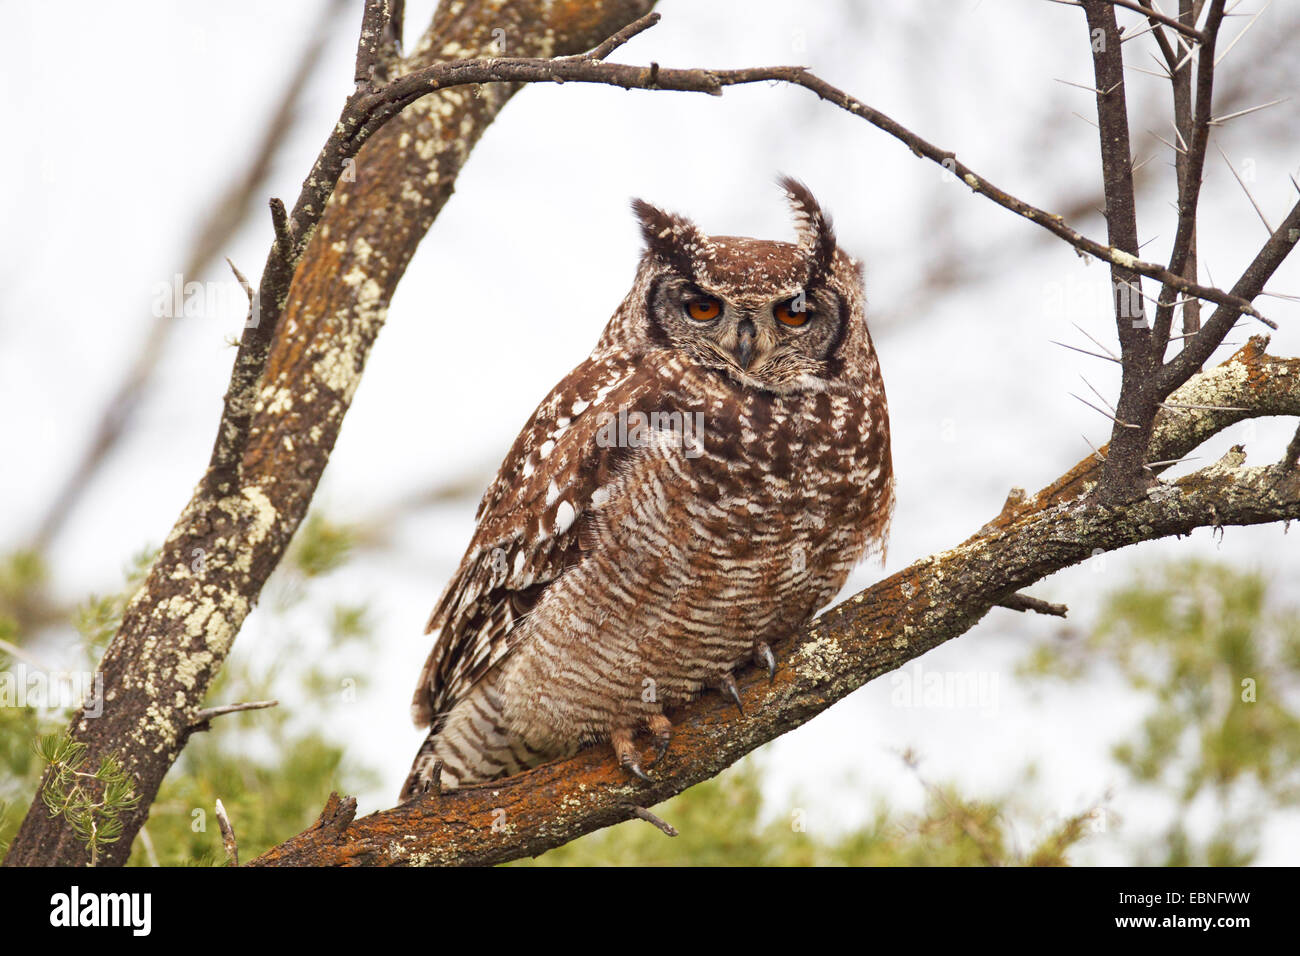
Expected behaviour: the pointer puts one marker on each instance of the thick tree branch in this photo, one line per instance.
(1136, 406)
(872, 633)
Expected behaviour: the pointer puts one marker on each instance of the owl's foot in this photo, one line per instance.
(728, 687)
(763, 655)
(662, 730)
(626, 752)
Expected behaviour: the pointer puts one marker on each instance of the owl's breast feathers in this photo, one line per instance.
(746, 466)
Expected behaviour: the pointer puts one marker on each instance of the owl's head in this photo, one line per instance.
(779, 316)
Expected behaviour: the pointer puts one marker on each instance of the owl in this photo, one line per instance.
(691, 493)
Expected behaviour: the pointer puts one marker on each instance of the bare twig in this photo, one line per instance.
(204, 717)
(1023, 602)
(648, 817)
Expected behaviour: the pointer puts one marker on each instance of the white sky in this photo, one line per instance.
(120, 141)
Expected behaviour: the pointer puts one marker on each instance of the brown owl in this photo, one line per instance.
(693, 491)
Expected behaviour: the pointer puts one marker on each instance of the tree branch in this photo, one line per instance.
(880, 629)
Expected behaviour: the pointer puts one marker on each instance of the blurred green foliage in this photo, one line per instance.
(719, 823)
(1219, 661)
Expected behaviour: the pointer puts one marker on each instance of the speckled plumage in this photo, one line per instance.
(691, 492)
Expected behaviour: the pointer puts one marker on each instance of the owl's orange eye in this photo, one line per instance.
(704, 309)
(788, 314)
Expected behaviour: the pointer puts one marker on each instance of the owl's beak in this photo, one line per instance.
(745, 336)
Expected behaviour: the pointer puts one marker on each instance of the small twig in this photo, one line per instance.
(1023, 602)
(649, 817)
(227, 835)
(280, 222)
(203, 717)
(375, 41)
(618, 39)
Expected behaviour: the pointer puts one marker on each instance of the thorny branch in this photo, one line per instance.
(331, 272)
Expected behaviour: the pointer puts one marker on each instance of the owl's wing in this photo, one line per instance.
(529, 524)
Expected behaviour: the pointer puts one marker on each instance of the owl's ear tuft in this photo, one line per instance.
(674, 239)
(812, 226)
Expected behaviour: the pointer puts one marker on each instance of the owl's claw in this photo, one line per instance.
(631, 766)
(662, 730)
(763, 654)
(628, 758)
(728, 687)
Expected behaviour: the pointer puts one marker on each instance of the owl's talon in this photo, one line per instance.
(627, 755)
(728, 687)
(631, 766)
(662, 730)
(763, 654)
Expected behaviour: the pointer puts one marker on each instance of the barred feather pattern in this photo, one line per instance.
(612, 577)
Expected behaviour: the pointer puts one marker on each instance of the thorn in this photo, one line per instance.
(1228, 49)
(1133, 36)
(764, 654)
(1083, 86)
(728, 687)
(1240, 182)
(435, 777)
(1095, 342)
(1176, 149)
(1101, 397)
(243, 282)
(1144, 162)
(1106, 413)
(1075, 348)
(1153, 465)
(1164, 73)
(1220, 120)
(1095, 453)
